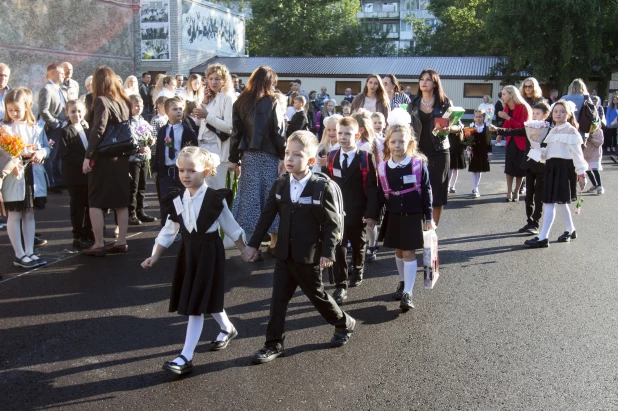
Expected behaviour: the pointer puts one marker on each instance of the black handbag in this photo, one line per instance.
(118, 139)
(222, 136)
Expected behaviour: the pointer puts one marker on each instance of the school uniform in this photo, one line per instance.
(359, 202)
(406, 213)
(138, 169)
(481, 147)
(307, 232)
(164, 160)
(72, 151)
(298, 122)
(198, 286)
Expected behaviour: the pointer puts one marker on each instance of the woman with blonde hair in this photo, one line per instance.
(516, 113)
(194, 90)
(130, 86)
(578, 93)
(155, 87)
(214, 111)
(374, 97)
(531, 91)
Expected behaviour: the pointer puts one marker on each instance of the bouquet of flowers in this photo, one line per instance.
(469, 136)
(13, 145)
(536, 130)
(144, 134)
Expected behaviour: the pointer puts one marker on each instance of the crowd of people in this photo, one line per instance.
(319, 182)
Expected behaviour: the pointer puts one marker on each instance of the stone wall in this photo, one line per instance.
(86, 33)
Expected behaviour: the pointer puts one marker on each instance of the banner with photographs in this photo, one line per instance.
(155, 30)
(211, 30)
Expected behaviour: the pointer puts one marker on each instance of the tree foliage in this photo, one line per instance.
(311, 28)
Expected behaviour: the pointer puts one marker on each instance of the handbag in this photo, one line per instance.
(222, 136)
(118, 139)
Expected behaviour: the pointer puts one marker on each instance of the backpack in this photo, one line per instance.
(317, 200)
(318, 120)
(416, 165)
(364, 164)
(588, 117)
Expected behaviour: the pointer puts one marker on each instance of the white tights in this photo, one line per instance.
(20, 222)
(372, 236)
(194, 331)
(452, 177)
(476, 179)
(549, 213)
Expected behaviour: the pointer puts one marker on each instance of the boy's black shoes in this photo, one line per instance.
(133, 220)
(267, 354)
(342, 335)
(39, 242)
(529, 229)
(82, 243)
(372, 252)
(356, 280)
(145, 218)
(406, 303)
(536, 243)
(339, 295)
(566, 237)
(399, 292)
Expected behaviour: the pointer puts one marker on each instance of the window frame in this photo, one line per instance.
(490, 93)
(360, 87)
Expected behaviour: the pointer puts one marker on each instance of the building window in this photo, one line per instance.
(389, 7)
(340, 87)
(389, 28)
(478, 90)
(368, 8)
(284, 85)
(414, 87)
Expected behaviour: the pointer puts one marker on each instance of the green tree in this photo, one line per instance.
(311, 28)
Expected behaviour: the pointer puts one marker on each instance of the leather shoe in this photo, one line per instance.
(172, 367)
(145, 218)
(117, 248)
(95, 252)
(406, 303)
(356, 280)
(339, 295)
(38, 242)
(399, 291)
(82, 243)
(536, 243)
(134, 221)
(267, 354)
(566, 237)
(342, 335)
(216, 345)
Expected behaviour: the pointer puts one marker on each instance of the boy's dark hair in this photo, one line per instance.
(298, 81)
(135, 98)
(301, 99)
(543, 106)
(234, 76)
(145, 73)
(173, 100)
(345, 103)
(74, 102)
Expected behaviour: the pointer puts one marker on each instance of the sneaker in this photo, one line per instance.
(476, 194)
(592, 189)
(133, 220)
(452, 190)
(600, 190)
(524, 229)
(145, 218)
(399, 291)
(532, 229)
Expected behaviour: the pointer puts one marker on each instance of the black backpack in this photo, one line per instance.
(588, 117)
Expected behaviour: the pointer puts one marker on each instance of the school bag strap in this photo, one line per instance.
(416, 165)
(332, 155)
(320, 186)
(168, 203)
(364, 167)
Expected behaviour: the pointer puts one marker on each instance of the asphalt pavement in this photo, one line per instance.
(504, 328)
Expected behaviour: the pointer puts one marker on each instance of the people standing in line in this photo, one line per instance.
(69, 86)
(108, 177)
(431, 103)
(258, 141)
(198, 286)
(393, 90)
(215, 116)
(516, 113)
(489, 109)
(52, 103)
(300, 258)
(564, 169)
(531, 91)
(25, 189)
(404, 190)
(354, 172)
(72, 150)
(373, 98)
(611, 119)
(194, 90)
(480, 151)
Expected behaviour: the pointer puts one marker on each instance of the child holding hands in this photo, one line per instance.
(198, 284)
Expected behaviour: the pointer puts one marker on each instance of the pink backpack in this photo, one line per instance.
(417, 168)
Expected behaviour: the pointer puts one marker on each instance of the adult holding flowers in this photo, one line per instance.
(108, 177)
(215, 112)
(258, 139)
(516, 113)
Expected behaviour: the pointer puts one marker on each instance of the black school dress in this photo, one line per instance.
(438, 162)
(458, 160)
(198, 285)
(481, 147)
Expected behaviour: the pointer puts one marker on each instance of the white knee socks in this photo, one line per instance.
(565, 214)
(194, 331)
(20, 222)
(372, 236)
(549, 213)
(224, 323)
(399, 262)
(27, 228)
(476, 179)
(409, 274)
(452, 177)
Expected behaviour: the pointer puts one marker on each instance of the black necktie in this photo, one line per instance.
(344, 166)
(171, 152)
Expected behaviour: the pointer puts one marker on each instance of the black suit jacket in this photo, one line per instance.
(72, 152)
(306, 231)
(299, 121)
(188, 139)
(356, 203)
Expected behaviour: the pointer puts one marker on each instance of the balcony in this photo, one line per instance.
(378, 15)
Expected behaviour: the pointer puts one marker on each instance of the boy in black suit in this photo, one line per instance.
(308, 232)
(354, 171)
(72, 151)
(299, 120)
(170, 140)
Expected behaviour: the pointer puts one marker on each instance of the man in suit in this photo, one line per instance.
(52, 102)
(69, 86)
(178, 135)
(308, 232)
(345, 167)
(144, 93)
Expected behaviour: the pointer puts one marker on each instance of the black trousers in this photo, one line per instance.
(287, 277)
(610, 137)
(535, 184)
(356, 235)
(78, 208)
(137, 188)
(168, 179)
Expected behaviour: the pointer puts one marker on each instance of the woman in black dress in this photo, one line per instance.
(431, 103)
(108, 177)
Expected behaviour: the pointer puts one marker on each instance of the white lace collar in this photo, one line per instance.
(402, 163)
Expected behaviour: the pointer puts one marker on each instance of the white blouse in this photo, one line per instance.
(191, 207)
(564, 141)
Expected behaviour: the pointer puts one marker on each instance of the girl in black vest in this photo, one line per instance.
(198, 285)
